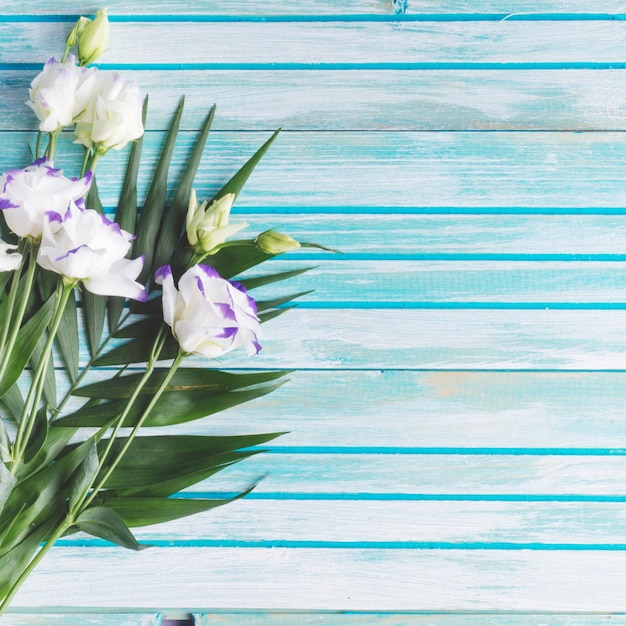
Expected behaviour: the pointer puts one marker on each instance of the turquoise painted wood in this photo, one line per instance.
(457, 427)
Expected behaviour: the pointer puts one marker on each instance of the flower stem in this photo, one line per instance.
(155, 398)
(27, 420)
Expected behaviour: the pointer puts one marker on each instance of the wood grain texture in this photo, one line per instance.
(336, 43)
(352, 579)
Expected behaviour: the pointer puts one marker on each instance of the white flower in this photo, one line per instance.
(92, 37)
(59, 94)
(113, 115)
(26, 195)
(83, 245)
(9, 261)
(207, 228)
(208, 315)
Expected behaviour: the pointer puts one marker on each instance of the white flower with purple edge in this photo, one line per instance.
(209, 315)
(83, 245)
(60, 93)
(27, 195)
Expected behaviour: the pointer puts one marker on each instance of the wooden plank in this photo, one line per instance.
(434, 474)
(364, 521)
(458, 409)
(206, 7)
(394, 169)
(516, 283)
(442, 339)
(352, 579)
(367, 99)
(336, 43)
(81, 619)
(380, 235)
(298, 618)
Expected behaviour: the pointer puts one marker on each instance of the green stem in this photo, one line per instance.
(38, 145)
(27, 420)
(52, 144)
(83, 167)
(12, 325)
(155, 398)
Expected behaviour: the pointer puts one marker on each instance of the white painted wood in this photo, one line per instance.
(288, 520)
(81, 619)
(235, 42)
(352, 579)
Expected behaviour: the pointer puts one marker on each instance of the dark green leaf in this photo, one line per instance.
(93, 198)
(233, 260)
(164, 465)
(94, 311)
(261, 281)
(38, 436)
(106, 524)
(270, 315)
(14, 402)
(174, 219)
(27, 340)
(67, 338)
(236, 183)
(264, 305)
(7, 482)
(126, 215)
(56, 441)
(185, 379)
(172, 408)
(137, 351)
(152, 212)
(145, 511)
(49, 383)
(85, 476)
(145, 327)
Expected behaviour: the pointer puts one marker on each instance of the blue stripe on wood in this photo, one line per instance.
(354, 545)
(392, 497)
(419, 450)
(356, 17)
(373, 256)
(516, 306)
(425, 210)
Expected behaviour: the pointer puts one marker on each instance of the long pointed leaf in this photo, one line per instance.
(26, 343)
(67, 338)
(152, 212)
(268, 279)
(175, 217)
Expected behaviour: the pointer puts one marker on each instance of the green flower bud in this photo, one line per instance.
(273, 242)
(72, 38)
(93, 38)
(208, 228)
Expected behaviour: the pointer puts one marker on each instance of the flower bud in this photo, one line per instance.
(72, 38)
(93, 38)
(208, 228)
(273, 242)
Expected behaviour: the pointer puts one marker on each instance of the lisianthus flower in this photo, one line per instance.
(60, 92)
(208, 315)
(113, 116)
(26, 195)
(208, 226)
(9, 260)
(92, 37)
(273, 242)
(83, 245)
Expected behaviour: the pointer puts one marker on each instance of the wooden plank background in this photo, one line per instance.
(457, 445)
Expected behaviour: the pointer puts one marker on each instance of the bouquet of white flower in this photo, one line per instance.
(75, 460)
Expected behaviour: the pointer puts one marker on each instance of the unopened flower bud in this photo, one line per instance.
(72, 38)
(93, 38)
(208, 226)
(273, 242)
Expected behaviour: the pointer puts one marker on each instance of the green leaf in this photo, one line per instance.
(106, 524)
(14, 402)
(264, 305)
(172, 408)
(261, 281)
(27, 340)
(137, 351)
(49, 383)
(67, 338)
(85, 476)
(136, 511)
(185, 379)
(270, 315)
(7, 482)
(145, 327)
(174, 219)
(152, 212)
(236, 183)
(164, 465)
(56, 441)
(126, 215)
(93, 198)
(94, 312)
(237, 258)
(38, 437)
